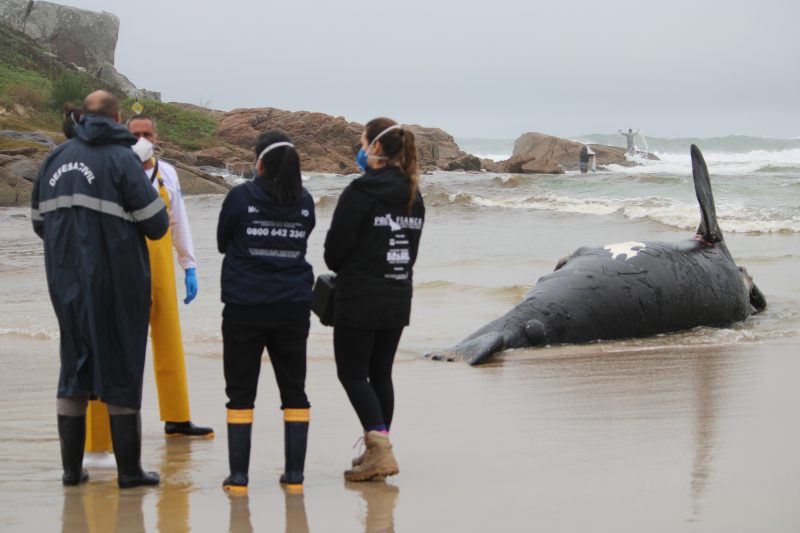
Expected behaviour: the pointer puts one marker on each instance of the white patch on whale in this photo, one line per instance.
(624, 248)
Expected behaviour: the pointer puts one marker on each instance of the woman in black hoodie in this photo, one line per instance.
(266, 287)
(372, 246)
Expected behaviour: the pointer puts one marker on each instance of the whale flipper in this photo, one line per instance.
(702, 187)
(473, 350)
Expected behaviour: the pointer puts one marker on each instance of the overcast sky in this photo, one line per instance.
(490, 68)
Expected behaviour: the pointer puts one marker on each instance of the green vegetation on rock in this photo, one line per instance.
(187, 128)
(35, 86)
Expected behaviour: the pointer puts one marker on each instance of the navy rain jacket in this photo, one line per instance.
(92, 204)
(265, 274)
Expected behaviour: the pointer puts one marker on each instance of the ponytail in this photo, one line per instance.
(409, 165)
(281, 164)
(400, 148)
(288, 180)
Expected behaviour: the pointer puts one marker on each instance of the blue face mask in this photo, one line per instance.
(361, 159)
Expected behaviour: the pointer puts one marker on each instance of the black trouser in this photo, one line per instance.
(244, 342)
(364, 360)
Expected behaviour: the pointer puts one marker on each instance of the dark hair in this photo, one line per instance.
(282, 165)
(400, 147)
(72, 115)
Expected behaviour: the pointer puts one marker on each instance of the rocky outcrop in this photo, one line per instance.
(107, 73)
(84, 38)
(525, 164)
(22, 154)
(438, 150)
(14, 191)
(327, 143)
(31, 136)
(565, 153)
(467, 162)
(196, 181)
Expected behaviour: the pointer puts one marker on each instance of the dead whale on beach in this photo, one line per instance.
(626, 290)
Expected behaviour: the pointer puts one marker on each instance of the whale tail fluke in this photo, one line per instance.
(474, 350)
(708, 229)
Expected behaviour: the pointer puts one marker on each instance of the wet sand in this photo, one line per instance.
(604, 437)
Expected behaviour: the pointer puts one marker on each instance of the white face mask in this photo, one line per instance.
(144, 149)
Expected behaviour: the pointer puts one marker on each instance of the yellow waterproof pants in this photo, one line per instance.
(165, 329)
(167, 343)
(98, 431)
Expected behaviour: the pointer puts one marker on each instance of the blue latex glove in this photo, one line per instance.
(191, 285)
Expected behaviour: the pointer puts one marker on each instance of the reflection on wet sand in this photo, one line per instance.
(654, 383)
(296, 519)
(294, 505)
(100, 507)
(176, 485)
(239, 515)
(380, 499)
(706, 377)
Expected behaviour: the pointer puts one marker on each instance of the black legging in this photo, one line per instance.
(364, 360)
(243, 344)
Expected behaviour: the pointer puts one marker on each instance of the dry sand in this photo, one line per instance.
(589, 438)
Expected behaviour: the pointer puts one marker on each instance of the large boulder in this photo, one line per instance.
(467, 162)
(194, 181)
(436, 147)
(327, 143)
(84, 38)
(24, 167)
(566, 153)
(14, 190)
(525, 164)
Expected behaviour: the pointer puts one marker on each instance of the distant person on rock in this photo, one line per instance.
(630, 139)
(93, 207)
(586, 156)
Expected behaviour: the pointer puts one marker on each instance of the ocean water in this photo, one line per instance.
(489, 237)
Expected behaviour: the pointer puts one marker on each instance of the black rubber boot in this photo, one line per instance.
(239, 436)
(295, 442)
(72, 435)
(126, 435)
(187, 429)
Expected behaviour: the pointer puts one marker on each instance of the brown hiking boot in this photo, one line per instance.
(378, 461)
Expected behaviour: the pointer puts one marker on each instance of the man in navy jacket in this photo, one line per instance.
(92, 205)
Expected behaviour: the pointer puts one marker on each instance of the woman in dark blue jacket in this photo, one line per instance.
(372, 246)
(263, 231)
